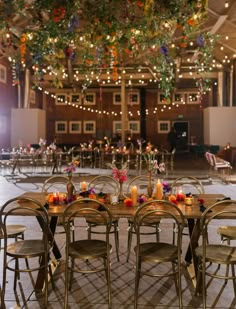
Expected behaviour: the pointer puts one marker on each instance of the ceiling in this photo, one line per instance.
(221, 21)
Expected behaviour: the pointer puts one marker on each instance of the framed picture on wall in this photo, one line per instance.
(192, 98)
(133, 97)
(163, 126)
(90, 98)
(134, 126)
(179, 97)
(75, 127)
(89, 127)
(117, 126)
(75, 98)
(61, 98)
(161, 99)
(116, 98)
(61, 127)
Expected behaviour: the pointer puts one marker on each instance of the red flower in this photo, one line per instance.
(201, 201)
(139, 3)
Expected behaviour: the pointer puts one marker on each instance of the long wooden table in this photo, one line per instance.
(191, 213)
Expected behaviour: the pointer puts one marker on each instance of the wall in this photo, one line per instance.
(220, 126)
(27, 126)
(8, 100)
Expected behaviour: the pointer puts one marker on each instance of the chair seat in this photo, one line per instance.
(26, 248)
(227, 231)
(158, 251)
(221, 254)
(14, 230)
(99, 221)
(88, 248)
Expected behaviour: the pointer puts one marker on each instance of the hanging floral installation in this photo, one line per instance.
(90, 36)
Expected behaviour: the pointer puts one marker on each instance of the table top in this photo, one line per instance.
(122, 211)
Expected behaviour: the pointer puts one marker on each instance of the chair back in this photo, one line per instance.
(188, 184)
(22, 208)
(164, 210)
(55, 184)
(105, 184)
(215, 211)
(85, 209)
(210, 158)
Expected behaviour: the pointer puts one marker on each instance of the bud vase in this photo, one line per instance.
(149, 188)
(70, 189)
(121, 196)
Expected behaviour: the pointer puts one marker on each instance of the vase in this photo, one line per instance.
(121, 196)
(149, 187)
(70, 189)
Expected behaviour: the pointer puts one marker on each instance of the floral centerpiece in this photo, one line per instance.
(153, 167)
(120, 174)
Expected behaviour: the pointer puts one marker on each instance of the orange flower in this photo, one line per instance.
(128, 202)
(93, 196)
(182, 44)
(191, 22)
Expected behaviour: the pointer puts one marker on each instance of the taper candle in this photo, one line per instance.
(159, 190)
(134, 195)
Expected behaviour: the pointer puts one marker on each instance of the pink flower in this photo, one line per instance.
(120, 175)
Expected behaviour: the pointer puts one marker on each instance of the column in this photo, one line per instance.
(124, 110)
(220, 89)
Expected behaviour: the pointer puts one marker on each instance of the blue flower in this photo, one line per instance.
(200, 40)
(164, 50)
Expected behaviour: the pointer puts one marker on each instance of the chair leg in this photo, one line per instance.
(130, 234)
(180, 284)
(137, 279)
(72, 227)
(234, 280)
(45, 259)
(89, 230)
(17, 274)
(203, 284)
(175, 278)
(157, 232)
(71, 272)
(174, 232)
(66, 284)
(107, 268)
(116, 232)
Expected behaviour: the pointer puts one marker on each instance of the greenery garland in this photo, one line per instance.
(105, 34)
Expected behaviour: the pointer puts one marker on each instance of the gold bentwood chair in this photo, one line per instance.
(154, 253)
(188, 184)
(102, 185)
(57, 184)
(82, 249)
(35, 250)
(212, 254)
(152, 223)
